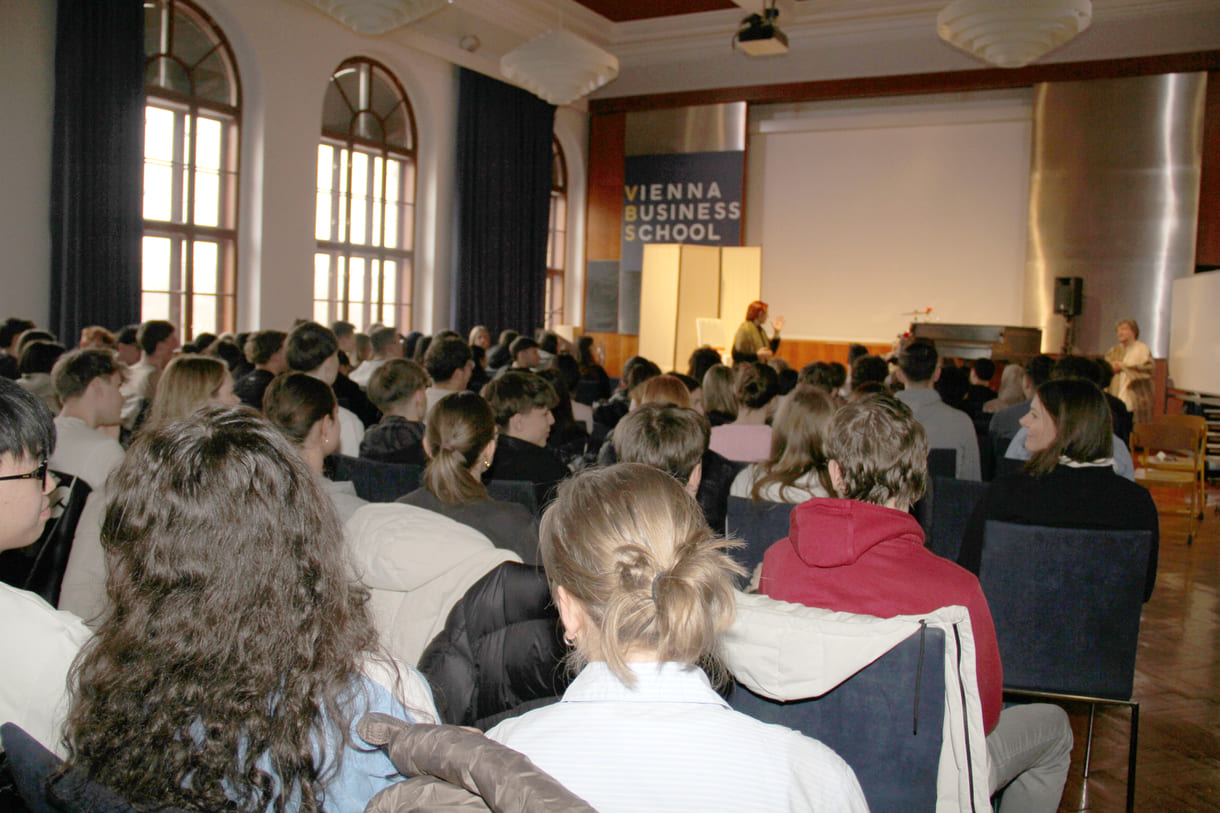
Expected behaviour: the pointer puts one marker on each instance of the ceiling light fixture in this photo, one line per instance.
(373, 17)
(1012, 33)
(760, 36)
(559, 66)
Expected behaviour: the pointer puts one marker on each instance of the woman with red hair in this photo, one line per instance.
(751, 342)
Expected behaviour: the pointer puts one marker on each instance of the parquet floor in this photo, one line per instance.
(1177, 683)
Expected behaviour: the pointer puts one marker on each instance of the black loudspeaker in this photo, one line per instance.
(1068, 295)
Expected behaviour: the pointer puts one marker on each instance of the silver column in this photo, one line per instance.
(1114, 198)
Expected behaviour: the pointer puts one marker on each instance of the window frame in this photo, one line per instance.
(556, 258)
(340, 252)
(182, 230)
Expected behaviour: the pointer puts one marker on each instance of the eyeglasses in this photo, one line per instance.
(39, 473)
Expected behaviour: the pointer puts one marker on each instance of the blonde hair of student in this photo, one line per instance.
(459, 432)
(187, 383)
(631, 546)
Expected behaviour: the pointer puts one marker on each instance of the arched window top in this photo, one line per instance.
(366, 104)
(187, 55)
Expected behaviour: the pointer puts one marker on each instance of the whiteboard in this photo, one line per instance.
(1194, 334)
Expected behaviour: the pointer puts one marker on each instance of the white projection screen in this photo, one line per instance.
(1194, 334)
(866, 211)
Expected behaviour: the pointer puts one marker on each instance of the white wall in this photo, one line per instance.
(27, 64)
(867, 210)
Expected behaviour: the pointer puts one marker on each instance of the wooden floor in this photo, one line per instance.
(1177, 684)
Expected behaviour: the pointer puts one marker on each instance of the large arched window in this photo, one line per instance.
(192, 115)
(556, 242)
(366, 199)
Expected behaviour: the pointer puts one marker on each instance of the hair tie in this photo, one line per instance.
(655, 579)
(447, 447)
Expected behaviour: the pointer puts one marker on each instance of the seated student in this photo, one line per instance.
(796, 469)
(313, 349)
(592, 374)
(980, 391)
(387, 345)
(863, 552)
(661, 389)
(478, 370)
(397, 388)
(946, 427)
(479, 337)
(10, 334)
(719, 403)
(522, 403)
(868, 369)
(226, 556)
(303, 409)
(461, 442)
(644, 588)
(89, 383)
(499, 356)
(38, 641)
(35, 364)
(701, 360)
(524, 351)
(158, 340)
(636, 371)
(748, 438)
(451, 365)
(674, 439)
(1070, 480)
(569, 438)
(188, 383)
(1005, 422)
(266, 355)
(1010, 392)
(569, 368)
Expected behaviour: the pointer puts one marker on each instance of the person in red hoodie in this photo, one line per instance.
(864, 553)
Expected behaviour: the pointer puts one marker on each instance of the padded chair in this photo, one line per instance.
(46, 788)
(942, 462)
(886, 721)
(375, 481)
(949, 507)
(759, 524)
(1171, 452)
(518, 491)
(40, 567)
(1066, 605)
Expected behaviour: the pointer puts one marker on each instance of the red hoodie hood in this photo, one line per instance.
(832, 533)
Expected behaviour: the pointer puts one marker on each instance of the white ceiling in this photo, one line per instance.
(828, 39)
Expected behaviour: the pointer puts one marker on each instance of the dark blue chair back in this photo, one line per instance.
(758, 524)
(1066, 604)
(886, 721)
(522, 492)
(942, 462)
(375, 481)
(950, 505)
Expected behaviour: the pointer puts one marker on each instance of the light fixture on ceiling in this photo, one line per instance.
(760, 36)
(374, 17)
(559, 66)
(1012, 33)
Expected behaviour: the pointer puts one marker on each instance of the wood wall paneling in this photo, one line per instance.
(1207, 250)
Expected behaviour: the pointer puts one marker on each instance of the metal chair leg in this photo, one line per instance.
(1088, 743)
(1135, 731)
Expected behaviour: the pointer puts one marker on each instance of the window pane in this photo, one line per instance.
(321, 312)
(321, 276)
(204, 317)
(355, 291)
(207, 144)
(158, 133)
(206, 255)
(390, 297)
(360, 189)
(207, 198)
(154, 306)
(341, 230)
(393, 181)
(560, 249)
(155, 271)
(212, 80)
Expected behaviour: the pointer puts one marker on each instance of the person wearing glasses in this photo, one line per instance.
(38, 641)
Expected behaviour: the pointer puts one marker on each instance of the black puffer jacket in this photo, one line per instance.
(501, 651)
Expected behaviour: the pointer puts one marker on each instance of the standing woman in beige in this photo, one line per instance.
(1131, 361)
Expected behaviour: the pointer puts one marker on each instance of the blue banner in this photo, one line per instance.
(693, 198)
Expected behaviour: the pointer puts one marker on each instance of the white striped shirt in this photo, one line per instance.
(671, 743)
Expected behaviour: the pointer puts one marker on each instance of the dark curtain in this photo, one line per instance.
(503, 205)
(96, 167)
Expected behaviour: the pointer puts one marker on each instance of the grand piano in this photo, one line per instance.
(997, 342)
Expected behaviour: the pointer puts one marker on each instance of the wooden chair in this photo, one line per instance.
(1171, 452)
(886, 721)
(1066, 605)
(759, 524)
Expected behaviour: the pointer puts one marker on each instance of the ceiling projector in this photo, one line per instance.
(760, 36)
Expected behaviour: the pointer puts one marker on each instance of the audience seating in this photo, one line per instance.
(40, 567)
(46, 787)
(947, 508)
(1066, 604)
(886, 721)
(942, 462)
(759, 525)
(386, 482)
(1171, 452)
